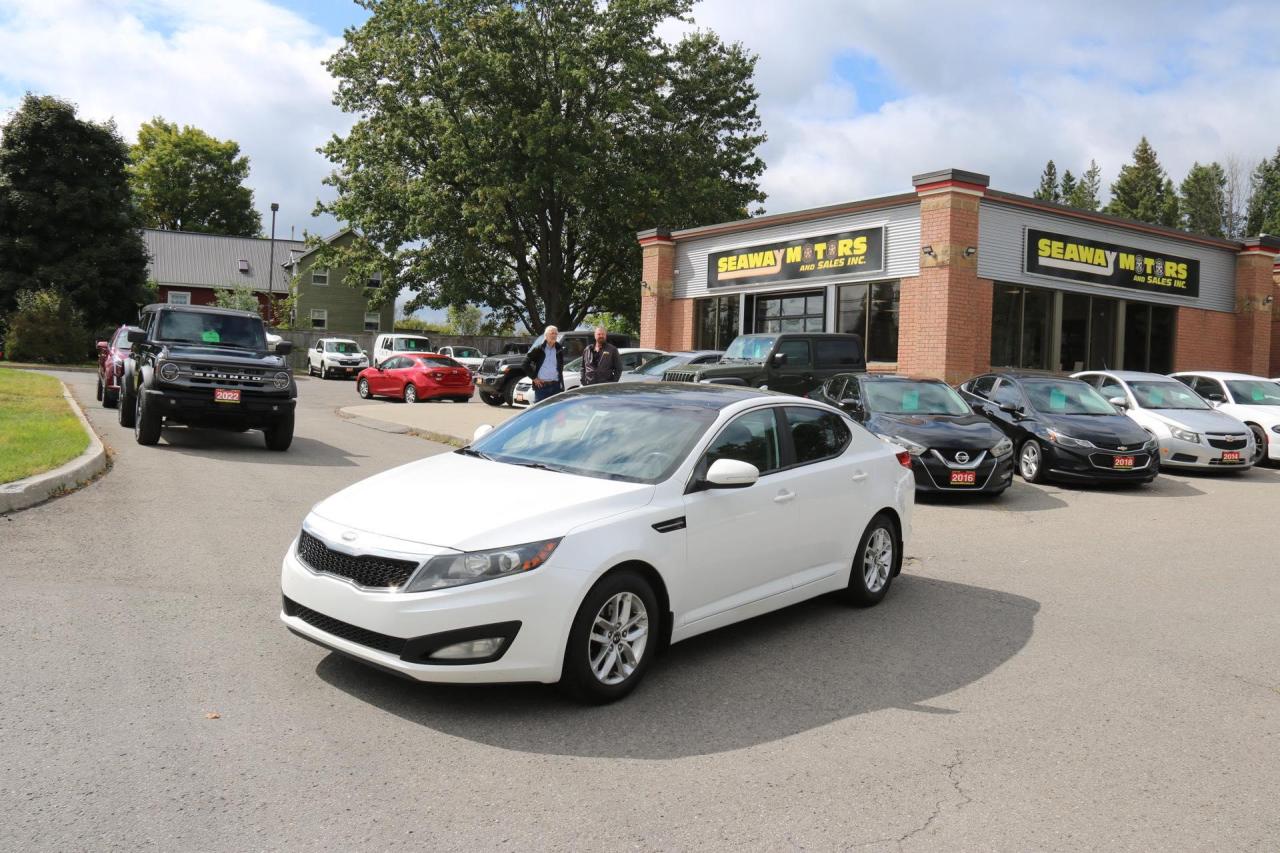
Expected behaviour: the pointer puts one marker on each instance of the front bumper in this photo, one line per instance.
(255, 409)
(343, 369)
(1174, 452)
(1095, 465)
(990, 473)
(359, 621)
(491, 383)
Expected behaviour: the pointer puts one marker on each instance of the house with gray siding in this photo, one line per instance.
(328, 301)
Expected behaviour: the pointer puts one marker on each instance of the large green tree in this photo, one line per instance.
(1048, 189)
(67, 218)
(1142, 191)
(1204, 200)
(1084, 193)
(1263, 215)
(185, 180)
(506, 152)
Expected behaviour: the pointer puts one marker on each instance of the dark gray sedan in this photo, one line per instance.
(653, 370)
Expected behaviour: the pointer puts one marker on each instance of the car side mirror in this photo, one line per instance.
(102, 346)
(779, 359)
(1011, 409)
(136, 335)
(852, 403)
(731, 474)
(284, 347)
(480, 432)
(1118, 402)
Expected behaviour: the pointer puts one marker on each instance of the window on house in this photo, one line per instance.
(320, 277)
(179, 297)
(319, 318)
(371, 321)
(375, 280)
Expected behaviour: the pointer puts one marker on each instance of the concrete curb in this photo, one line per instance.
(62, 480)
(402, 429)
(51, 368)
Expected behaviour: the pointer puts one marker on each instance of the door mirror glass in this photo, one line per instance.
(481, 432)
(1011, 409)
(779, 359)
(731, 474)
(136, 335)
(284, 347)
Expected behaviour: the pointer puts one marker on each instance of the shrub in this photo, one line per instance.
(46, 328)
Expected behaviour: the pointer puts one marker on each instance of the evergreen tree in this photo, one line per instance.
(1068, 187)
(1170, 212)
(1264, 203)
(1048, 189)
(67, 219)
(1204, 200)
(1141, 190)
(1085, 193)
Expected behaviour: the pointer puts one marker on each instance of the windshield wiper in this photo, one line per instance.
(537, 465)
(467, 451)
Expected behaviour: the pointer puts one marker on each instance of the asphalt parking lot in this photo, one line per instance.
(1061, 668)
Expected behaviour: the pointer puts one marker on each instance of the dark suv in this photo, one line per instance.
(207, 367)
(791, 362)
(496, 380)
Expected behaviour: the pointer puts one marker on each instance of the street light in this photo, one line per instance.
(271, 257)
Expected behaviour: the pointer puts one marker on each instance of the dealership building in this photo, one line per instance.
(955, 278)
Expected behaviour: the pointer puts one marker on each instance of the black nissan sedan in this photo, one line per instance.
(1063, 428)
(952, 449)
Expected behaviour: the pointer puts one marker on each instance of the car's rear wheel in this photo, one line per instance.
(146, 421)
(491, 399)
(877, 560)
(280, 435)
(410, 393)
(1031, 461)
(613, 639)
(362, 388)
(125, 411)
(1260, 444)
(99, 389)
(110, 398)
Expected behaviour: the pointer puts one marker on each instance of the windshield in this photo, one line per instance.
(913, 398)
(1065, 397)
(437, 361)
(219, 330)
(412, 345)
(749, 348)
(122, 339)
(1166, 395)
(594, 435)
(657, 365)
(1254, 392)
(466, 352)
(341, 346)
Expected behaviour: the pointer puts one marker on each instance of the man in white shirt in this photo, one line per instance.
(545, 365)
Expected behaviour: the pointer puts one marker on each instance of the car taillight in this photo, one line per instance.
(904, 459)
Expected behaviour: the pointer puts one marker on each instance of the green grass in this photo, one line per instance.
(38, 430)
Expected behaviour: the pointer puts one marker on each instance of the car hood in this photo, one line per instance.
(1104, 429)
(639, 377)
(222, 355)
(469, 504)
(1199, 420)
(1263, 415)
(970, 432)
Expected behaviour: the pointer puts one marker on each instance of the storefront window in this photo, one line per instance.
(716, 322)
(1148, 337)
(1075, 333)
(1021, 327)
(801, 312)
(871, 312)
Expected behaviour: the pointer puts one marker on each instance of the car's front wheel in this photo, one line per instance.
(146, 420)
(1031, 461)
(362, 388)
(877, 560)
(613, 639)
(279, 435)
(491, 399)
(1260, 448)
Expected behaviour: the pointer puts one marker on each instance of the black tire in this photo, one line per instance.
(110, 399)
(1031, 469)
(879, 554)
(124, 411)
(362, 388)
(99, 388)
(279, 436)
(490, 399)
(579, 679)
(147, 421)
(462, 399)
(410, 392)
(1261, 444)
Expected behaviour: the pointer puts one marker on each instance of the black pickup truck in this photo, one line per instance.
(206, 367)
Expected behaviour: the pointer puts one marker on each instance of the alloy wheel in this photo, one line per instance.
(1259, 443)
(618, 638)
(410, 393)
(1029, 460)
(877, 560)
(362, 388)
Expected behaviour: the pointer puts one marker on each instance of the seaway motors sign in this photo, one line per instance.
(852, 252)
(1081, 259)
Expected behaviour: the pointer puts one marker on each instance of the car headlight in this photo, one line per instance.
(1066, 440)
(169, 372)
(1003, 447)
(281, 380)
(1185, 435)
(1151, 444)
(475, 566)
(905, 443)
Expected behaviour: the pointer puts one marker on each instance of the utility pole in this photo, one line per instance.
(271, 262)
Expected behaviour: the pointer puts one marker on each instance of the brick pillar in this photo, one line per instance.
(1275, 323)
(1255, 304)
(945, 325)
(658, 252)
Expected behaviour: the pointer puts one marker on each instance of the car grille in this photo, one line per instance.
(1127, 449)
(227, 377)
(350, 362)
(973, 457)
(680, 376)
(373, 572)
(1228, 442)
(338, 628)
(490, 365)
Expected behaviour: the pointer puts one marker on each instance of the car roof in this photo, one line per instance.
(403, 335)
(1220, 374)
(1128, 375)
(339, 340)
(665, 394)
(894, 377)
(199, 309)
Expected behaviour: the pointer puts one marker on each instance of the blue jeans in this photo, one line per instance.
(547, 389)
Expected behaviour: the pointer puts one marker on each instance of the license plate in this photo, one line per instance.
(1231, 456)
(1124, 462)
(964, 478)
(519, 395)
(226, 395)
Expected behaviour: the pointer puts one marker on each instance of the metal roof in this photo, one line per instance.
(183, 258)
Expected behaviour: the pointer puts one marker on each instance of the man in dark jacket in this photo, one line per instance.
(545, 365)
(600, 361)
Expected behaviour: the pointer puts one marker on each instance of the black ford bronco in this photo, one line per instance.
(791, 362)
(206, 367)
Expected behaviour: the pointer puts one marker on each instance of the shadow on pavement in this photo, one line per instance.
(1019, 497)
(249, 447)
(752, 683)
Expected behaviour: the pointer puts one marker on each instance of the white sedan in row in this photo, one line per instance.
(1253, 400)
(617, 519)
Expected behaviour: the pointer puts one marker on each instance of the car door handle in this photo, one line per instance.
(784, 496)
(859, 476)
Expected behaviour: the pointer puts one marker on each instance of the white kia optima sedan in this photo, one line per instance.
(617, 519)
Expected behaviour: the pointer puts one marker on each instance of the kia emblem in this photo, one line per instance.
(962, 457)
(348, 536)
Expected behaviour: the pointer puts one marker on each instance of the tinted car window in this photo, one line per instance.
(1166, 395)
(835, 387)
(1065, 397)
(797, 352)
(1007, 394)
(815, 434)
(837, 352)
(896, 397)
(982, 386)
(1254, 392)
(1109, 387)
(1210, 389)
(752, 437)
(437, 361)
(193, 327)
(413, 344)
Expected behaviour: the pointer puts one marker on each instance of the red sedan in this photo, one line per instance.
(419, 376)
(111, 356)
